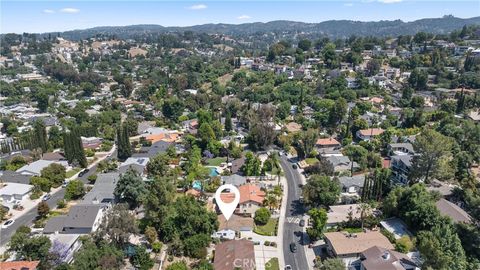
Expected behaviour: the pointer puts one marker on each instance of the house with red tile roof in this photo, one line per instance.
(251, 198)
(368, 134)
(327, 143)
(19, 265)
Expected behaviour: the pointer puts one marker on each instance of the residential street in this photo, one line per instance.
(292, 232)
(29, 217)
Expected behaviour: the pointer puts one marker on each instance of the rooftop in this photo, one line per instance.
(19, 265)
(229, 253)
(451, 210)
(379, 258)
(344, 243)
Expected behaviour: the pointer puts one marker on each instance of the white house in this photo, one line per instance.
(14, 191)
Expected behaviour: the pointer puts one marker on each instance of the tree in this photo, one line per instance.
(318, 217)
(228, 122)
(40, 134)
(97, 256)
(373, 66)
(43, 209)
(331, 264)
(172, 108)
(55, 173)
(141, 260)
(338, 112)
(74, 190)
(252, 166)
(124, 150)
(30, 248)
(404, 244)
(441, 248)
(308, 141)
(130, 189)
(262, 216)
(304, 44)
(158, 165)
(160, 194)
(151, 234)
(321, 191)
(177, 266)
(433, 155)
(73, 148)
(117, 226)
(322, 167)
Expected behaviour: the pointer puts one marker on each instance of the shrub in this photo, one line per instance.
(267, 243)
(92, 178)
(61, 204)
(157, 246)
(404, 244)
(262, 215)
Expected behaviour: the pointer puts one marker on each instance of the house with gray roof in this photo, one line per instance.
(102, 191)
(234, 179)
(352, 185)
(36, 167)
(400, 166)
(14, 177)
(342, 163)
(81, 219)
(397, 149)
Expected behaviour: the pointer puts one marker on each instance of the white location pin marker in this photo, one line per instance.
(227, 208)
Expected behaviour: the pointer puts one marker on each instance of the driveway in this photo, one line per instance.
(263, 254)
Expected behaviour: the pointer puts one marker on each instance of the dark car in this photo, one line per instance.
(302, 223)
(293, 247)
(82, 173)
(294, 166)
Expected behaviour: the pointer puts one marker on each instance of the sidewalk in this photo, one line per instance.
(281, 221)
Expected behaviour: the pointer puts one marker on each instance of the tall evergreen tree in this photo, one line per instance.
(124, 148)
(40, 135)
(228, 122)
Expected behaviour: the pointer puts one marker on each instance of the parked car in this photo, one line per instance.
(46, 197)
(64, 184)
(288, 267)
(294, 166)
(82, 173)
(8, 223)
(293, 247)
(302, 223)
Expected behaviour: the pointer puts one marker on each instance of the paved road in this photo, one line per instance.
(29, 217)
(292, 232)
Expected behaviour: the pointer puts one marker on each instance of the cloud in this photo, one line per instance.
(70, 10)
(389, 1)
(348, 4)
(48, 11)
(198, 7)
(244, 17)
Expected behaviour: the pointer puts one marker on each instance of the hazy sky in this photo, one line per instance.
(48, 16)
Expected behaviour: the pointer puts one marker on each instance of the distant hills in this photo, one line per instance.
(332, 28)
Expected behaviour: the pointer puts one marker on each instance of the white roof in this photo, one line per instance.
(15, 188)
(35, 167)
(136, 160)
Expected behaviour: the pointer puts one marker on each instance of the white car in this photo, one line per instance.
(8, 223)
(288, 267)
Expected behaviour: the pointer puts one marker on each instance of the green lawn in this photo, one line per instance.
(311, 161)
(216, 161)
(272, 264)
(72, 172)
(269, 229)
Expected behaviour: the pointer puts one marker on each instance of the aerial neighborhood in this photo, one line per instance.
(349, 152)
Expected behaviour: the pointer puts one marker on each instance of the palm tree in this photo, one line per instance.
(276, 164)
(271, 201)
(364, 209)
